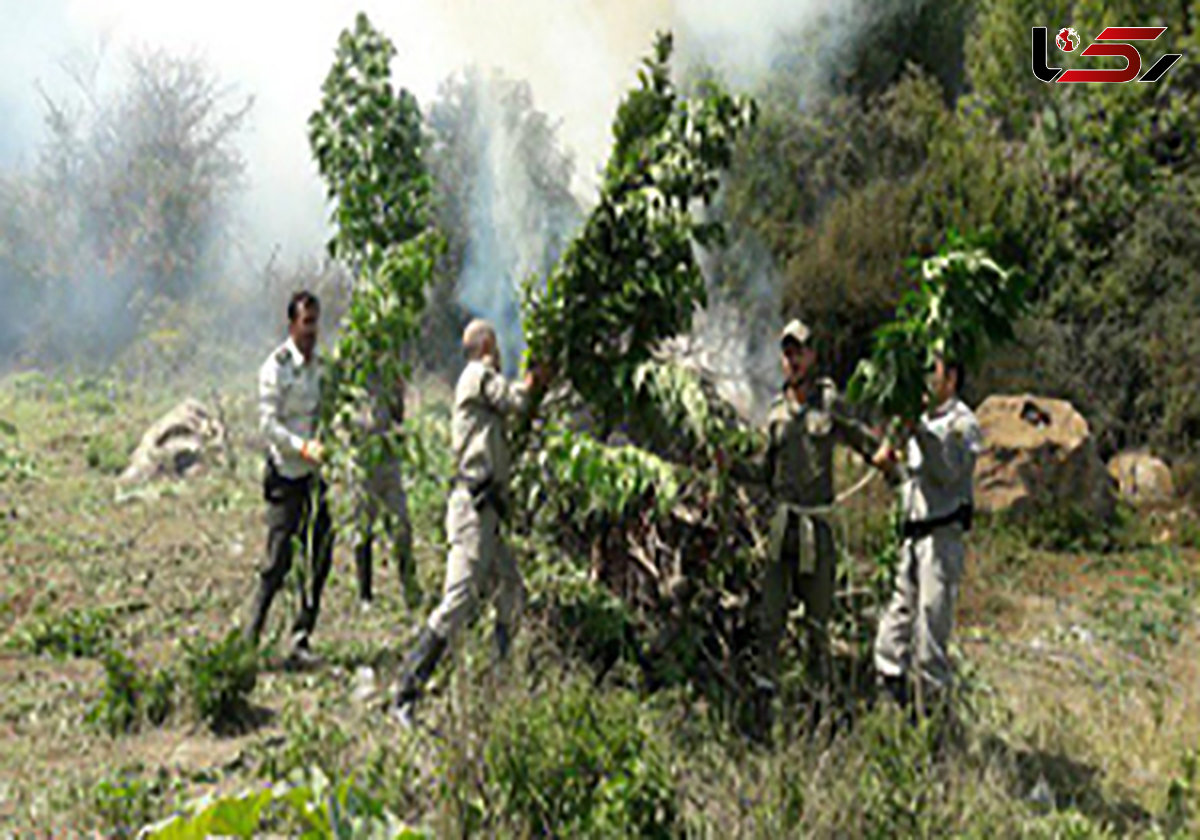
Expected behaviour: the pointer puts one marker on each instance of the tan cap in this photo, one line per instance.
(797, 331)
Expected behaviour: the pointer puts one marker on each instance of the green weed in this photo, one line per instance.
(106, 455)
(83, 633)
(119, 708)
(571, 765)
(126, 800)
(219, 677)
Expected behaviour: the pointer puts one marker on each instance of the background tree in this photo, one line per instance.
(129, 208)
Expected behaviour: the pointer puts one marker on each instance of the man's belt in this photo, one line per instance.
(922, 528)
(795, 526)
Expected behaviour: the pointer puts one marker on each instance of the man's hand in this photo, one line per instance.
(313, 452)
(885, 457)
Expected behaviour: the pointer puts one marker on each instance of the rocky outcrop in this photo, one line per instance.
(1142, 479)
(1039, 452)
(179, 444)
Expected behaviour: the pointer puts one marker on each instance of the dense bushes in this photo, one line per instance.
(1094, 194)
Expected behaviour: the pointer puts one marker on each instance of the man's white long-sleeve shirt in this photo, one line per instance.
(289, 395)
(941, 462)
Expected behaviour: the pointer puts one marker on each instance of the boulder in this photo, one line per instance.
(1039, 452)
(179, 444)
(1142, 479)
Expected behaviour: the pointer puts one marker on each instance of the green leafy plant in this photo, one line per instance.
(79, 633)
(571, 765)
(315, 807)
(367, 138)
(219, 677)
(132, 695)
(119, 708)
(630, 278)
(594, 478)
(962, 301)
(127, 800)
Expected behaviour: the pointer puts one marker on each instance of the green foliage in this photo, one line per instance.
(630, 278)
(119, 708)
(962, 302)
(106, 454)
(1071, 527)
(127, 207)
(592, 478)
(673, 403)
(313, 807)
(126, 801)
(313, 741)
(219, 677)
(571, 765)
(367, 138)
(15, 465)
(82, 633)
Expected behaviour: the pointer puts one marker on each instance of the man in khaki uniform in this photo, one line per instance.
(382, 496)
(479, 564)
(804, 424)
(937, 497)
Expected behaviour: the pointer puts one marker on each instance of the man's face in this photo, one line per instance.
(939, 384)
(797, 360)
(491, 351)
(303, 329)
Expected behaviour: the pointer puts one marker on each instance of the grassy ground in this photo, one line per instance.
(1079, 704)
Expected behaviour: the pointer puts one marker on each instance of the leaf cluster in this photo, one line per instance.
(960, 303)
(631, 279)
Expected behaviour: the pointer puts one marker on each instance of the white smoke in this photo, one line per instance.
(579, 57)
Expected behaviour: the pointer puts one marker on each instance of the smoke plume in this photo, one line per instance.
(578, 57)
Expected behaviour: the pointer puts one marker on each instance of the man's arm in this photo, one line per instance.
(948, 457)
(504, 396)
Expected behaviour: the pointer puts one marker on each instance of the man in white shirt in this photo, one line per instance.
(912, 644)
(289, 394)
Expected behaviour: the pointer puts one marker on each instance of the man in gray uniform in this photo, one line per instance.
(479, 565)
(289, 393)
(937, 496)
(804, 424)
(382, 495)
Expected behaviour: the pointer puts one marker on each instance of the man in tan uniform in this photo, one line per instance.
(479, 565)
(382, 496)
(912, 643)
(804, 424)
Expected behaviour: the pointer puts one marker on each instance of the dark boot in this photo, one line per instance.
(897, 689)
(418, 668)
(362, 564)
(502, 641)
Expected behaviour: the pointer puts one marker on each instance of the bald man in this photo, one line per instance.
(479, 565)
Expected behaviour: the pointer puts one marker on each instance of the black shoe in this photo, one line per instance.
(301, 657)
(362, 566)
(502, 641)
(418, 667)
(897, 689)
